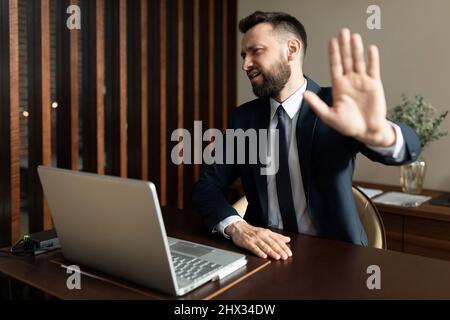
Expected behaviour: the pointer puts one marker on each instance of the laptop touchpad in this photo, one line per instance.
(190, 249)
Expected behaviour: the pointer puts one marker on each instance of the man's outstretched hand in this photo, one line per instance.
(359, 104)
(262, 242)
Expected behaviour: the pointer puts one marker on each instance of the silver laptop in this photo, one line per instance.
(115, 225)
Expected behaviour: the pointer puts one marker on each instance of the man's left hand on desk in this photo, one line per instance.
(262, 242)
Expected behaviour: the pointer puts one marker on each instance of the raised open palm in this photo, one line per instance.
(359, 104)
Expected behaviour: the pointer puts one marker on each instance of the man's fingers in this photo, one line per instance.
(277, 246)
(346, 50)
(256, 250)
(282, 245)
(283, 238)
(267, 249)
(334, 56)
(374, 62)
(319, 107)
(358, 54)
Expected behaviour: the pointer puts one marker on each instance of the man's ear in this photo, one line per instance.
(294, 49)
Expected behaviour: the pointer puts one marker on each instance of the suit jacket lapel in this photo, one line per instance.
(262, 122)
(305, 133)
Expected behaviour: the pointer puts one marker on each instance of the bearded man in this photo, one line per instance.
(320, 132)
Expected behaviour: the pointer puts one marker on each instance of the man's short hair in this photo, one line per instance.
(278, 20)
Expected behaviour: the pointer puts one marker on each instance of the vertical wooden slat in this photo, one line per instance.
(188, 88)
(225, 39)
(113, 90)
(14, 119)
(39, 135)
(66, 89)
(196, 74)
(211, 55)
(144, 87)
(172, 98)
(46, 98)
(45, 82)
(180, 93)
(163, 106)
(219, 59)
(9, 124)
(100, 80)
(123, 86)
(232, 48)
(74, 97)
(154, 83)
(136, 115)
(93, 73)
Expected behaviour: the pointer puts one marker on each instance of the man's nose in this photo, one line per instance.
(247, 64)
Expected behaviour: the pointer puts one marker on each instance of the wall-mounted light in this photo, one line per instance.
(26, 114)
(55, 105)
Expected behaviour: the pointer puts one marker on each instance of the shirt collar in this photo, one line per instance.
(291, 105)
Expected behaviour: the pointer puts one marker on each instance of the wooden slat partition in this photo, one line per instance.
(180, 44)
(74, 96)
(154, 92)
(211, 59)
(136, 115)
(160, 65)
(225, 65)
(172, 94)
(93, 73)
(116, 87)
(123, 85)
(196, 76)
(231, 54)
(163, 99)
(67, 90)
(39, 106)
(144, 85)
(99, 83)
(14, 121)
(188, 85)
(9, 123)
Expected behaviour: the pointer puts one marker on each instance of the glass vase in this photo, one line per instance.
(412, 176)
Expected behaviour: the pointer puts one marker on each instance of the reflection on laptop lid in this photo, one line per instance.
(115, 225)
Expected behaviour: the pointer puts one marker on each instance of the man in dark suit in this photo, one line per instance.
(320, 132)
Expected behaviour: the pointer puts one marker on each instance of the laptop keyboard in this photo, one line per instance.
(191, 268)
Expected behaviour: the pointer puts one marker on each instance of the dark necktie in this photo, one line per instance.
(283, 179)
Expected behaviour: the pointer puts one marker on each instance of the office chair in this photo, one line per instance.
(368, 214)
(370, 219)
(241, 206)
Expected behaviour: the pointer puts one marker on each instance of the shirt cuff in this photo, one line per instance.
(220, 227)
(396, 151)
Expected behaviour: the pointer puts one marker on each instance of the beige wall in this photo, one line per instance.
(415, 59)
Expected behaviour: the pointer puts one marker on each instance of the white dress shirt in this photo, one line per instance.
(292, 105)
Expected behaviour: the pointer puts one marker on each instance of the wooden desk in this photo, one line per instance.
(45, 272)
(319, 269)
(424, 230)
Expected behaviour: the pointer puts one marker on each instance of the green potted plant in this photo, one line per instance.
(426, 121)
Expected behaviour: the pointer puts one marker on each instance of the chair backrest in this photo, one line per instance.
(370, 219)
(368, 214)
(241, 206)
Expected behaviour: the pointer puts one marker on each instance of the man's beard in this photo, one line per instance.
(273, 81)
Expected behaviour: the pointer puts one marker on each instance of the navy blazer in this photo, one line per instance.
(327, 162)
